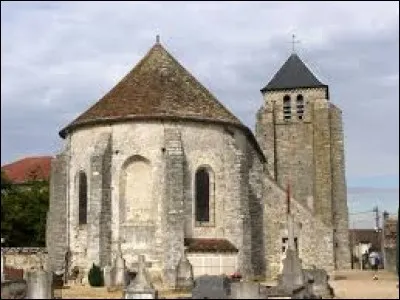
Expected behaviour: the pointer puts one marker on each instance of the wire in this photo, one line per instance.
(362, 212)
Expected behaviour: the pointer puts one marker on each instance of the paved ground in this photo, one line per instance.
(352, 284)
(357, 284)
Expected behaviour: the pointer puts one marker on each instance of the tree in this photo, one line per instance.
(95, 276)
(398, 244)
(23, 213)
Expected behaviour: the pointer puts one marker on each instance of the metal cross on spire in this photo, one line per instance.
(294, 41)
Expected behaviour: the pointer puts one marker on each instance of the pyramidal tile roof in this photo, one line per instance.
(293, 74)
(157, 87)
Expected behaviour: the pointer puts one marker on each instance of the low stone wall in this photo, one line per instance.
(24, 258)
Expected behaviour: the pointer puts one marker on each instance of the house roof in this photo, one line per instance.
(293, 74)
(35, 168)
(357, 236)
(209, 245)
(157, 87)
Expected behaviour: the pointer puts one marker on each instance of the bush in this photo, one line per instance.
(96, 276)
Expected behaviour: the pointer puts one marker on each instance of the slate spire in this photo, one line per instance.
(293, 74)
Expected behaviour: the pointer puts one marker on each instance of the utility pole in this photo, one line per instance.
(376, 211)
(379, 232)
(385, 216)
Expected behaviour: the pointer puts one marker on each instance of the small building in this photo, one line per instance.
(364, 240)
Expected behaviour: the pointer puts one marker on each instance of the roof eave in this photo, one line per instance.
(267, 89)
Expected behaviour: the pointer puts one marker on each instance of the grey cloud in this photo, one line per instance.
(59, 58)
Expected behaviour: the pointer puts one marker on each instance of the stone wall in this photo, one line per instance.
(289, 144)
(56, 223)
(25, 258)
(308, 154)
(339, 191)
(174, 203)
(174, 151)
(315, 239)
(257, 172)
(99, 204)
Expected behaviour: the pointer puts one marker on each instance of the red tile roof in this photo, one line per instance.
(28, 169)
(209, 245)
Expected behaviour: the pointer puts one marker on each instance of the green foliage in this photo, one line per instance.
(398, 244)
(23, 213)
(95, 276)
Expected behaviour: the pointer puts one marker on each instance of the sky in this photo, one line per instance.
(58, 58)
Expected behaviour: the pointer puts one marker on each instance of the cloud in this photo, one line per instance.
(58, 58)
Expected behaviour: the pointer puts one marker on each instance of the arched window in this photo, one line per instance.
(300, 106)
(202, 183)
(286, 107)
(82, 198)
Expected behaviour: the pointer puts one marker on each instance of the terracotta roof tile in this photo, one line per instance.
(157, 87)
(209, 245)
(29, 168)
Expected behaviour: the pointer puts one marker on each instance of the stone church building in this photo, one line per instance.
(159, 167)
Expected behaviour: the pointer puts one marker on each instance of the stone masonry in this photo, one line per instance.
(140, 148)
(57, 216)
(308, 154)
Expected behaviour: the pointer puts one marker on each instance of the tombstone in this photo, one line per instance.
(211, 287)
(319, 280)
(292, 275)
(108, 275)
(140, 287)
(184, 274)
(14, 289)
(3, 260)
(2, 265)
(246, 290)
(40, 284)
(120, 269)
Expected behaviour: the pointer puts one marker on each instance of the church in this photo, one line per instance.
(159, 167)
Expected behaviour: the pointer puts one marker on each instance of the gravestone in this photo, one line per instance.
(108, 275)
(140, 287)
(246, 290)
(40, 284)
(292, 274)
(120, 269)
(184, 274)
(2, 262)
(319, 282)
(14, 289)
(211, 287)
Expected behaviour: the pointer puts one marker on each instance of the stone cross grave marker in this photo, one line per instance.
(140, 287)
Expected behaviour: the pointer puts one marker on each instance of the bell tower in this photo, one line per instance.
(301, 134)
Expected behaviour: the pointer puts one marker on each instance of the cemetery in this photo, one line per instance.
(135, 283)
